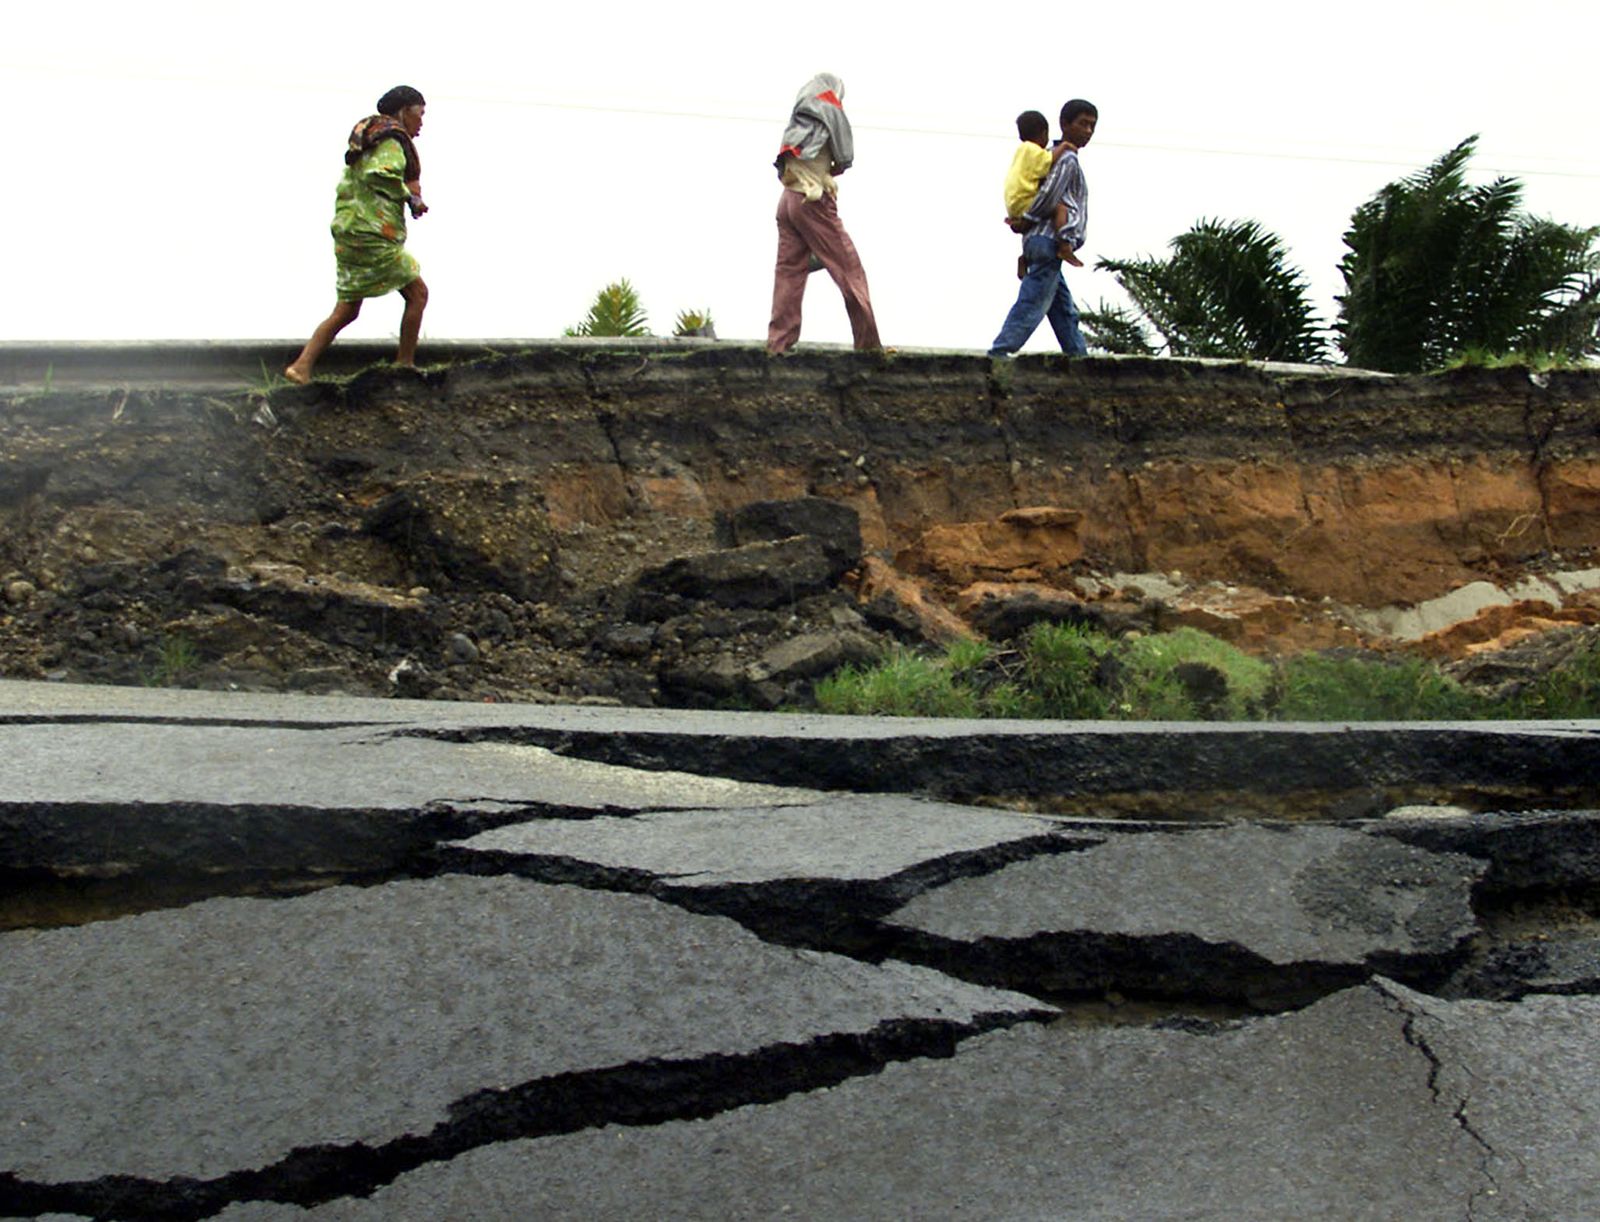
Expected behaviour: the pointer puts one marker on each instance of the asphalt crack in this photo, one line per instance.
(639, 1094)
(1414, 1038)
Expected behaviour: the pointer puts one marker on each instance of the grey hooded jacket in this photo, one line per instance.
(818, 122)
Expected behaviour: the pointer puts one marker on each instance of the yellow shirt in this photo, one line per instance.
(1027, 171)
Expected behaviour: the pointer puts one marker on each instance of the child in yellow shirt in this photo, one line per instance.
(1031, 162)
(1029, 165)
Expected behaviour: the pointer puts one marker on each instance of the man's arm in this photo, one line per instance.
(1069, 220)
(1064, 249)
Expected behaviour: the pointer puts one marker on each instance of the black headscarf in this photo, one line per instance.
(398, 98)
(385, 125)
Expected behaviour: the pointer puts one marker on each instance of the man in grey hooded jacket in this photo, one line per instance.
(817, 145)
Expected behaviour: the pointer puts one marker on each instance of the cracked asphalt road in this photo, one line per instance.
(504, 978)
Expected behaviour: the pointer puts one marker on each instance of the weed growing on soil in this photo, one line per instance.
(269, 380)
(176, 661)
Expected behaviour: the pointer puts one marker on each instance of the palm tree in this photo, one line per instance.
(616, 311)
(1227, 290)
(1437, 268)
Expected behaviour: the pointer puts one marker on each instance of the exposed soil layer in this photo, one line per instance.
(479, 531)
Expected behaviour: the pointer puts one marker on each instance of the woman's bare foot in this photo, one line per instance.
(297, 375)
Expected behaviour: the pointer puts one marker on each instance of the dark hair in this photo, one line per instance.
(1077, 107)
(398, 98)
(1031, 125)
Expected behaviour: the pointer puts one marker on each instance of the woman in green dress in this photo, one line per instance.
(382, 178)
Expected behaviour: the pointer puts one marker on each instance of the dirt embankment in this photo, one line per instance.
(503, 528)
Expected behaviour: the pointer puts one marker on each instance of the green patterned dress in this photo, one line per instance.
(369, 225)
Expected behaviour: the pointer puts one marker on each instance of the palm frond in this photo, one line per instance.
(1226, 290)
(1435, 268)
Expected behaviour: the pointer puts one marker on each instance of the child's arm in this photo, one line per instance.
(1064, 146)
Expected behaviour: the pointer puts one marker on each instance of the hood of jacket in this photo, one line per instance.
(818, 122)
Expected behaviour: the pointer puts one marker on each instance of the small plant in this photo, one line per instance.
(49, 379)
(616, 311)
(695, 322)
(269, 380)
(176, 660)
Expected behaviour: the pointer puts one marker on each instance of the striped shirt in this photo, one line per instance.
(1064, 183)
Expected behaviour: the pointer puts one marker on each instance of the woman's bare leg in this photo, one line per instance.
(416, 295)
(344, 313)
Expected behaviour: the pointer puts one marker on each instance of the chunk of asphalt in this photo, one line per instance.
(342, 767)
(1270, 914)
(1558, 962)
(1323, 1113)
(220, 1037)
(1537, 850)
(121, 796)
(845, 838)
(1521, 1079)
(819, 875)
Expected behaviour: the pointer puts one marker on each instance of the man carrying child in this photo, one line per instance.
(1053, 228)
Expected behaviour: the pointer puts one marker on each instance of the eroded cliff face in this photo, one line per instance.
(488, 519)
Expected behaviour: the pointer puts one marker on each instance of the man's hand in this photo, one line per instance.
(1066, 254)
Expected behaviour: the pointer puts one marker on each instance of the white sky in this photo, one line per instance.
(170, 166)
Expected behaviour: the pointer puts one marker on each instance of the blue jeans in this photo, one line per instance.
(1043, 294)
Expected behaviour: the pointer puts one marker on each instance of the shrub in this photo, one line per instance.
(1186, 676)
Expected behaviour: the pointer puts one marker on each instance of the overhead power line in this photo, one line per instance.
(1264, 154)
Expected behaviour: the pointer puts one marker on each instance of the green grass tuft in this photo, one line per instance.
(176, 661)
(905, 684)
(1318, 688)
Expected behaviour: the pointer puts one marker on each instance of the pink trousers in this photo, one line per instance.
(813, 228)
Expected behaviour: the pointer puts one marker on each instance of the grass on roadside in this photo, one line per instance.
(1063, 671)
